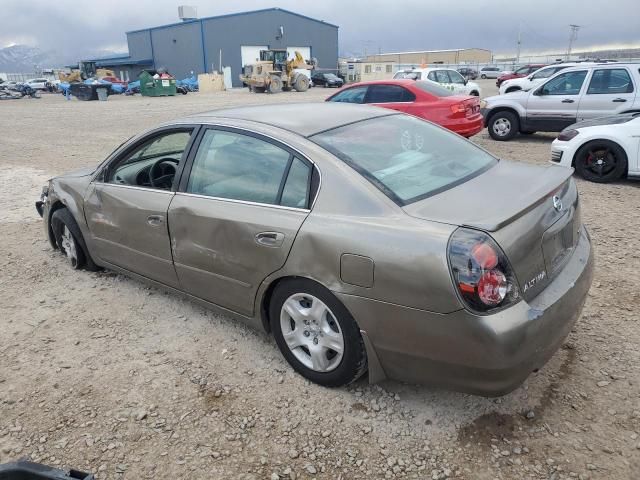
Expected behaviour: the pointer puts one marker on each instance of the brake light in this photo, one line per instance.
(481, 272)
(458, 108)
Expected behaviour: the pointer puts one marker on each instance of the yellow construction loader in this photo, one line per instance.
(274, 72)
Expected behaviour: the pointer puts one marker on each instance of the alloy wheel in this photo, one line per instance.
(312, 332)
(69, 247)
(601, 161)
(502, 127)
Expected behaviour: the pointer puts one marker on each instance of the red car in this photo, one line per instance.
(519, 73)
(423, 98)
(115, 80)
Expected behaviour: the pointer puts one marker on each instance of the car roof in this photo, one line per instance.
(319, 117)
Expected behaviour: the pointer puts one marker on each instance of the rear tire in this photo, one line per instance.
(483, 76)
(70, 241)
(601, 161)
(503, 126)
(323, 341)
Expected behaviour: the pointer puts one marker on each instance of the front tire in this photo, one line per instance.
(601, 161)
(301, 84)
(69, 238)
(483, 76)
(316, 333)
(275, 86)
(503, 126)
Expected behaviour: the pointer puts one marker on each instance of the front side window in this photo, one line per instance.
(153, 164)
(350, 95)
(241, 167)
(612, 81)
(406, 158)
(441, 76)
(568, 83)
(389, 94)
(456, 77)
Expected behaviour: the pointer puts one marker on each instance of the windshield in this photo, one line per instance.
(407, 158)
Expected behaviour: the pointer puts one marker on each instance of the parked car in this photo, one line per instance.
(37, 83)
(575, 94)
(468, 73)
(519, 73)
(326, 80)
(490, 72)
(601, 150)
(533, 79)
(307, 202)
(115, 80)
(447, 77)
(422, 98)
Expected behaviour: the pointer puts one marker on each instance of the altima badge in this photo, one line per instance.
(557, 203)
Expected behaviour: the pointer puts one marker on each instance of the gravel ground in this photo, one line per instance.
(102, 373)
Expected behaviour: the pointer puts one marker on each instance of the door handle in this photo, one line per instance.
(567, 100)
(619, 100)
(270, 239)
(155, 220)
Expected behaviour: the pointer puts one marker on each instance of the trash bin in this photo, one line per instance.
(154, 84)
(23, 470)
(102, 94)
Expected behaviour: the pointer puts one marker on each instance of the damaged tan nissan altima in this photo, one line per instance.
(363, 239)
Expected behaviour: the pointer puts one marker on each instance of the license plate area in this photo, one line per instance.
(559, 241)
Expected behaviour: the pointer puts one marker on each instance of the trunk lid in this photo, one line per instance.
(514, 203)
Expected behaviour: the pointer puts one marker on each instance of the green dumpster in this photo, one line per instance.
(154, 84)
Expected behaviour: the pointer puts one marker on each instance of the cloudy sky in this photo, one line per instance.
(73, 26)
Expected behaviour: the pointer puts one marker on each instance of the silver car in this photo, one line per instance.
(490, 72)
(362, 239)
(574, 94)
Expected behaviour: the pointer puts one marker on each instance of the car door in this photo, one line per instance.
(441, 77)
(236, 215)
(391, 96)
(127, 212)
(459, 84)
(554, 105)
(610, 91)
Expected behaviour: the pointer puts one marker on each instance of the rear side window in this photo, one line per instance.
(389, 94)
(442, 76)
(433, 89)
(350, 95)
(239, 167)
(612, 81)
(296, 187)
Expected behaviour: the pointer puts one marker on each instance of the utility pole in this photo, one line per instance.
(519, 43)
(572, 37)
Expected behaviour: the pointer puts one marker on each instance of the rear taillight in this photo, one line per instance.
(458, 108)
(481, 272)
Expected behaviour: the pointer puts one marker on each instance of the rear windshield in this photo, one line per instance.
(408, 159)
(407, 75)
(433, 88)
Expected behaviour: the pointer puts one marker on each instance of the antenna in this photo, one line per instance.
(572, 37)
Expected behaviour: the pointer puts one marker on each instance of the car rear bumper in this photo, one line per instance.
(486, 355)
(467, 127)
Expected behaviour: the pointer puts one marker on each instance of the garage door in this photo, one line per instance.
(304, 51)
(249, 53)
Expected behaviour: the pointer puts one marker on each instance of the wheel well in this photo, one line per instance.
(626, 157)
(475, 93)
(501, 109)
(265, 303)
(56, 206)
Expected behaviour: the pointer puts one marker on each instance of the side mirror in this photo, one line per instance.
(541, 92)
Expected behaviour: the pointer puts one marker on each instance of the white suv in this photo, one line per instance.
(570, 95)
(447, 77)
(535, 78)
(37, 83)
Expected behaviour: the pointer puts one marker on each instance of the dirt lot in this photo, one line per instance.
(105, 374)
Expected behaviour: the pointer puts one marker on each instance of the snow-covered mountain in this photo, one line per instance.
(22, 58)
(26, 59)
